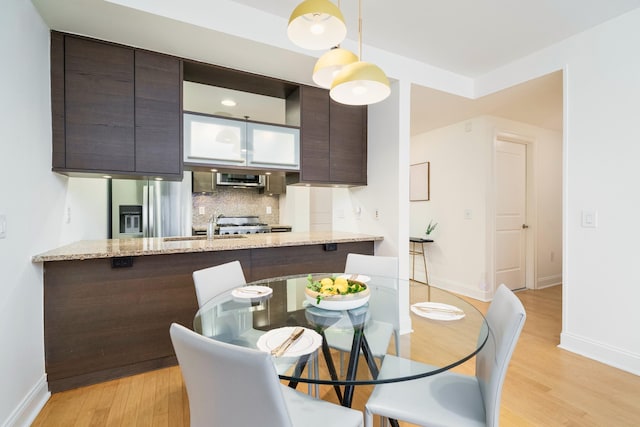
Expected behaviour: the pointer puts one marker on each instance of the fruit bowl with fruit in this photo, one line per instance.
(336, 293)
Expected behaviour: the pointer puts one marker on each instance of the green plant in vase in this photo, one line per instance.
(432, 226)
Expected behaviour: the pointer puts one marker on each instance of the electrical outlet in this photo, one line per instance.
(201, 210)
(67, 218)
(377, 214)
(467, 214)
(268, 210)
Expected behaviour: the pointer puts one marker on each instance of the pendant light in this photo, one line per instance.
(360, 83)
(316, 25)
(330, 64)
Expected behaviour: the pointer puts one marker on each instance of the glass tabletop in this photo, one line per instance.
(445, 329)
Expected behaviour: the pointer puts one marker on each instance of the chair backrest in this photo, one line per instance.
(383, 306)
(228, 385)
(372, 265)
(505, 317)
(212, 281)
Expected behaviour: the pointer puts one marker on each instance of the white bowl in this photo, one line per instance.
(338, 302)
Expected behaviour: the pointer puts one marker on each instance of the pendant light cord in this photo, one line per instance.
(360, 30)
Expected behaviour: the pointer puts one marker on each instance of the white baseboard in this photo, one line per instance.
(462, 289)
(548, 281)
(31, 405)
(609, 355)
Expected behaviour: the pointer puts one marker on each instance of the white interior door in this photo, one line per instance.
(511, 208)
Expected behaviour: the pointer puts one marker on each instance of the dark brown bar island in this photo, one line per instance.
(108, 304)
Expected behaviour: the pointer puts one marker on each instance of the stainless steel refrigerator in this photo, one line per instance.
(146, 208)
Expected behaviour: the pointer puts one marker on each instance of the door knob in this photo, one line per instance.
(525, 226)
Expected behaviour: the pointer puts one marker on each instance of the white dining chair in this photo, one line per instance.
(212, 281)
(384, 318)
(228, 385)
(215, 280)
(451, 399)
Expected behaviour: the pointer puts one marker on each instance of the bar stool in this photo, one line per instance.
(414, 250)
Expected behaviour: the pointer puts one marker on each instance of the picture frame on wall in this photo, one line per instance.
(419, 185)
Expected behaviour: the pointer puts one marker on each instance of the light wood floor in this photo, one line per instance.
(545, 386)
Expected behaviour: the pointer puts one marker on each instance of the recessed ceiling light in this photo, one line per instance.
(228, 102)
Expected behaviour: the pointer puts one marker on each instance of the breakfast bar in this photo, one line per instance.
(108, 304)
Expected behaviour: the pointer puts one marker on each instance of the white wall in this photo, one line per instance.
(32, 198)
(601, 99)
(461, 179)
(85, 214)
(460, 164)
(602, 146)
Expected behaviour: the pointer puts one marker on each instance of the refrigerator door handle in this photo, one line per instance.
(145, 211)
(152, 211)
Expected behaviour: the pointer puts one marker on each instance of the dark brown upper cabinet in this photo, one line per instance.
(158, 114)
(333, 140)
(116, 110)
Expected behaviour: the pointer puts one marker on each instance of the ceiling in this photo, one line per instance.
(537, 102)
(466, 37)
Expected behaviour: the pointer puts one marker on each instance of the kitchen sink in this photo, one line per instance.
(217, 237)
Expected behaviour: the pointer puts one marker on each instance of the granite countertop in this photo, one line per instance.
(90, 249)
(204, 227)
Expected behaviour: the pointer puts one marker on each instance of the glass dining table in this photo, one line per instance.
(445, 330)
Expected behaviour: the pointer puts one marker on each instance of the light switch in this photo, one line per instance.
(589, 219)
(3, 226)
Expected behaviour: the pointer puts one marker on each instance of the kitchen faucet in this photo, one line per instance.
(211, 227)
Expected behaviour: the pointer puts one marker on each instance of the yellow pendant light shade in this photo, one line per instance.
(360, 83)
(316, 25)
(330, 64)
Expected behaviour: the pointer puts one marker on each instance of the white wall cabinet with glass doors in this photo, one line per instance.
(215, 140)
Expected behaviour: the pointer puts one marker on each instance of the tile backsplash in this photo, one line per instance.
(235, 202)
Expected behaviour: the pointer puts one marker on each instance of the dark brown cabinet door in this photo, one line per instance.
(158, 109)
(333, 140)
(348, 144)
(314, 134)
(99, 106)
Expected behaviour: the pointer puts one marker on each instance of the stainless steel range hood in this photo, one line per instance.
(239, 180)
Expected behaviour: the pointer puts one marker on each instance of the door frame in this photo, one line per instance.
(531, 212)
